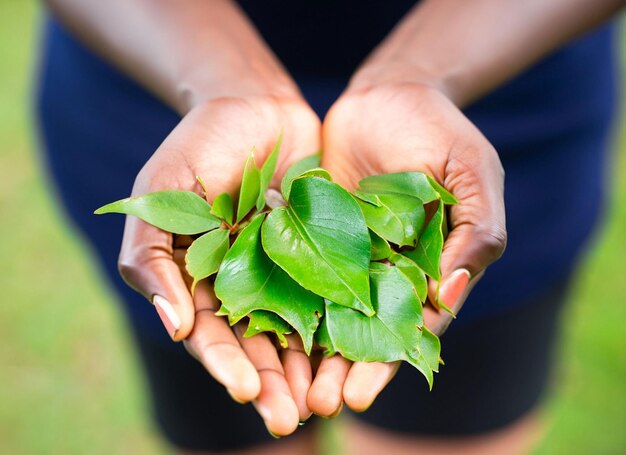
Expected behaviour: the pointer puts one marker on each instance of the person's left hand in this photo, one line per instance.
(412, 127)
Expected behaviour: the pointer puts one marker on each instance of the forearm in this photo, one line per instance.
(468, 48)
(184, 52)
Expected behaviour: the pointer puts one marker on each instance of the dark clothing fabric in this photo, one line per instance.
(496, 370)
(193, 411)
(324, 39)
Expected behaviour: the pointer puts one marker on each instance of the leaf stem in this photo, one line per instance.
(201, 182)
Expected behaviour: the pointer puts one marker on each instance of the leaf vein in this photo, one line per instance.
(306, 236)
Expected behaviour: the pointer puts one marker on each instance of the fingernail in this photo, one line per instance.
(167, 313)
(265, 414)
(334, 414)
(263, 411)
(237, 400)
(453, 288)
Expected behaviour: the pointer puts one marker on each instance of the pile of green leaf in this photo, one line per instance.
(346, 270)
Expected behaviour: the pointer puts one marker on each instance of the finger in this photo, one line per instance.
(452, 294)
(298, 374)
(146, 264)
(365, 381)
(274, 403)
(478, 226)
(213, 343)
(325, 398)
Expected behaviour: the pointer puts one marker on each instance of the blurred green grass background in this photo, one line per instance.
(69, 383)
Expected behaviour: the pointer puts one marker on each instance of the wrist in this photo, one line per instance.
(404, 73)
(200, 86)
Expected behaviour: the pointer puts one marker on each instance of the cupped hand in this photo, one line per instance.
(213, 142)
(412, 127)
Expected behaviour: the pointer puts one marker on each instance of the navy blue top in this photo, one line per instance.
(550, 126)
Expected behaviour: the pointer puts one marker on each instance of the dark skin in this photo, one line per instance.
(209, 142)
(435, 138)
(401, 112)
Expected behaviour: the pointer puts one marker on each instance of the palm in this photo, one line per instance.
(213, 142)
(400, 129)
(409, 127)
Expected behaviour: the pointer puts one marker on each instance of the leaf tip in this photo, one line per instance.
(282, 340)
(447, 309)
(279, 139)
(202, 185)
(110, 208)
(193, 287)
(222, 311)
(369, 312)
(251, 156)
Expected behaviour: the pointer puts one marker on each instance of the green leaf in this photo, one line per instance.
(267, 172)
(415, 275)
(248, 280)
(414, 184)
(447, 197)
(250, 188)
(367, 197)
(322, 242)
(317, 172)
(205, 255)
(380, 249)
(397, 218)
(322, 337)
(180, 212)
(266, 321)
(223, 207)
(427, 253)
(202, 185)
(428, 350)
(443, 306)
(394, 333)
(295, 170)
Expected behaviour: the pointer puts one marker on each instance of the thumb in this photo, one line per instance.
(477, 235)
(471, 248)
(146, 263)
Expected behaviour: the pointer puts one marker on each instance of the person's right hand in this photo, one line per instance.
(213, 142)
